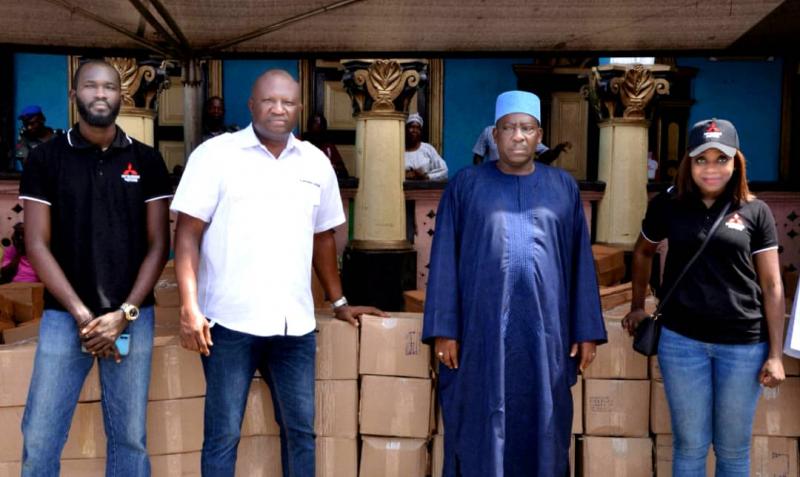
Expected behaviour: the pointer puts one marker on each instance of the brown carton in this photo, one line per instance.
(337, 349)
(167, 320)
(437, 457)
(175, 465)
(6, 312)
(175, 426)
(83, 467)
(395, 406)
(777, 413)
(175, 372)
(616, 407)
(4, 325)
(655, 369)
(27, 331)
(414, 301)
(336, 409)
(773, 457)
(166, 289)
(609, 264)
(393, 346)
(659, 409)
(336, 457)
(259, 456)
(791, 366)
(664, 457)
(259, 415)
(577, 407)
(617, 456)
(617, 359)
(392, 457)
(28, 299)
(613, 296)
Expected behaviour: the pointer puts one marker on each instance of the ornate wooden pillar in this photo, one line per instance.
(620, 95)
(140, 84)
(192, 105)
(379, 263)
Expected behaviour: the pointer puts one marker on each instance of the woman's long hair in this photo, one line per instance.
(736, 187)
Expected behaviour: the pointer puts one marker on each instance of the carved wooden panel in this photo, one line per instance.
(569, 118)
(172, 152)
(338, 109)
(348, 153)
(170, 104)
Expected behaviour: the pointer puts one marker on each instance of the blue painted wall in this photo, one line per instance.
(470, 89)
(748, 93)
(42, 80)
(237, 79)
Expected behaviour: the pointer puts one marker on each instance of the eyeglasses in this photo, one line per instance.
(702, 161)
(526, 129)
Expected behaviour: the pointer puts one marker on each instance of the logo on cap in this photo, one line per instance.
(712, 131)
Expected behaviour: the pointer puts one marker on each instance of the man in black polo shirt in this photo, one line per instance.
(97, 233)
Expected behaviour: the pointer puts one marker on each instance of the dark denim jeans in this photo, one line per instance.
(712, 391)
(287, 365)
(59, 370)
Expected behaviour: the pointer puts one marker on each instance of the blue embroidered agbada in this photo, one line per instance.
(513, 280)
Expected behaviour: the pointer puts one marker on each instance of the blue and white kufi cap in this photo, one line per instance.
(512, 102)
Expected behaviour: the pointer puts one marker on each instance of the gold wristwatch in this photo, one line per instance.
(131, 312)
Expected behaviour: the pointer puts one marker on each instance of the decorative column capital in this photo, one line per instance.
(625, 91)
(140, 83)
(383, 86)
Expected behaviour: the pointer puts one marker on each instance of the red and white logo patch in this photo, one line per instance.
(130, 174)
(735, 223)
(712, 131)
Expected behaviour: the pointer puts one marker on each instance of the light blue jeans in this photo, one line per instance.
(59, 370)
(712, 391)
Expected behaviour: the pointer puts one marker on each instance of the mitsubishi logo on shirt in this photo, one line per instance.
(130, 174)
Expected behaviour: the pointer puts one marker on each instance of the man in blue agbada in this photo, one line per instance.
(512, 306)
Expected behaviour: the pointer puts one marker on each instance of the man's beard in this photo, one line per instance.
(98, 120)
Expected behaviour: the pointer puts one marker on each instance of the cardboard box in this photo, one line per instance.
(609, 263)
(414, 301)
(395, 406)
(617, 359)
(791, 366)
(773, 457)
(572, 456)
(393, 346)
(577, 407)
(337, 349)
(175, 426)
(613, 296)
(175, 465)
(616, 407)
(659, 409)
(26, 332)
(259, 415)
(175, 372)
(166, 289)
(336, 457)
(167, 320)
(259, 456)
(664, 457)
(336, 413)
(6, 312)
(10, 420)
(28, 299)
(617, 456)
(392, 457)
(777, 413)
(437, 457)
(655, 369)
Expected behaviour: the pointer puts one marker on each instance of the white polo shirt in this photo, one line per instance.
(262, 214)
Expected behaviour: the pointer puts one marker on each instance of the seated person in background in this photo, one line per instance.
(214, 118)
(33, 133)
(317, 134)
(422, 160)
(16, 267)
(485, 149)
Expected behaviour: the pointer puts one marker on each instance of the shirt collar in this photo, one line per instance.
(246, 138)
(76, 140)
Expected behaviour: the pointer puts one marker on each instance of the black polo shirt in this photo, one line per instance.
(98, 201)
(719, 300)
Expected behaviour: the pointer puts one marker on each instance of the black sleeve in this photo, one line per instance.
(36, 183)
(157, 183)
(655, 223)
(765, 234)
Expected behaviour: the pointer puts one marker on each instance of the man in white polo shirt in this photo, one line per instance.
(248, 234)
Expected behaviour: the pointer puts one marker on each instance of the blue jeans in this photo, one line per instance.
(59, 370)
(287, 365)
(712, 391)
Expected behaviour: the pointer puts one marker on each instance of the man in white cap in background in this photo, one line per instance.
(512, 305)
(422, 160)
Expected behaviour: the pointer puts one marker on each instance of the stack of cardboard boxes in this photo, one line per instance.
(396, 385)
(21, 306)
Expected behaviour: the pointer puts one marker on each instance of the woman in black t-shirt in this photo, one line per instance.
(722, 327)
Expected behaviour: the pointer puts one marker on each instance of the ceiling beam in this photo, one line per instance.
(282, 24)
(153, 22)
(171, 23)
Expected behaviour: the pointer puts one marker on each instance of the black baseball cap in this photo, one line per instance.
(713, 134)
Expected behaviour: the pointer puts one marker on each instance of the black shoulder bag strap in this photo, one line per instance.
(657, 313)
